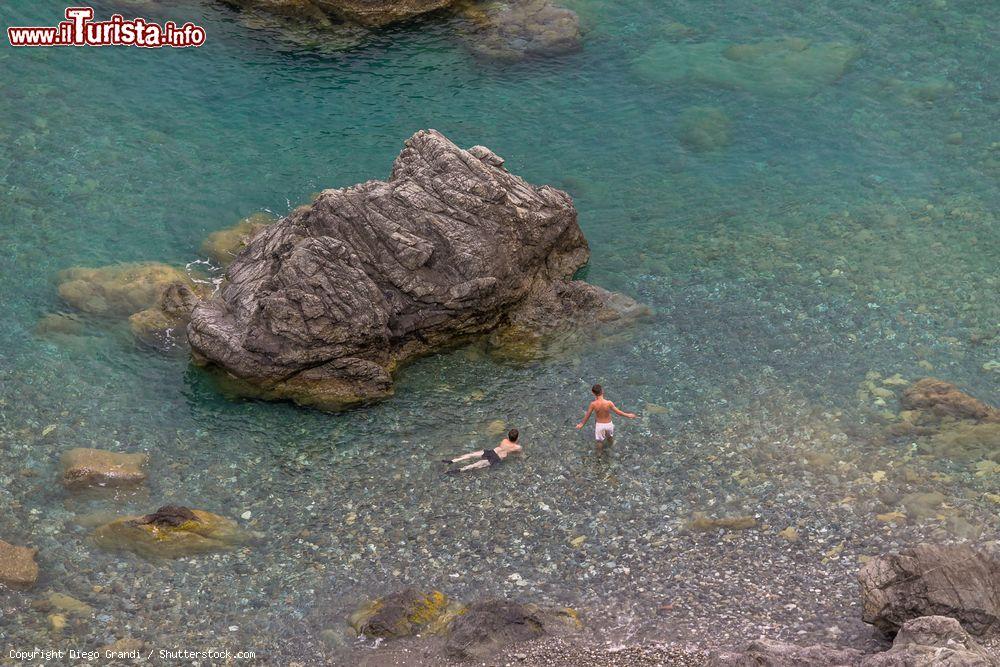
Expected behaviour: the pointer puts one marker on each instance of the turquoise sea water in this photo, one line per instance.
(844, 231)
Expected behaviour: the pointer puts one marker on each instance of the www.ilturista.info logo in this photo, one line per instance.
(80, 30)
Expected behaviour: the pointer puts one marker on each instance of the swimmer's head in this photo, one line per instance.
(512, 435)
(598, 390)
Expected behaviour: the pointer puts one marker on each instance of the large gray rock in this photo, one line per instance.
(322, 306)
(933, 641)
(929, 580)
(769, 653)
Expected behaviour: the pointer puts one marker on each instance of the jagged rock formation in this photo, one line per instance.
(324, 305)
(932, 641)
(930, 580)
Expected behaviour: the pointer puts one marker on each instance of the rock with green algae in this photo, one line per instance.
(119, 289)
(18, 568)
(83, 467)
(488, 626)
(789, 67)
(704, 129)
(171, 532)
(944, 399)
(223, 245)
(404, 614)
(170, 313)
(513, 30)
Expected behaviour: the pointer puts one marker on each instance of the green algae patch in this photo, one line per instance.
(703, 129)
(789, 67)
(404, 614)
(119, 289)
(223, 245)
(171, 532)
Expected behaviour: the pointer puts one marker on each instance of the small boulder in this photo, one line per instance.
(18, 568)
(83, 467)
(928, 580)
(222, 246)
(932, 641)
(171, 532)
(944, 399)
(404, 614)
(489, 625)
(779, 654)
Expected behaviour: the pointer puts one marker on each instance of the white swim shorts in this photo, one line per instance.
(604, 430)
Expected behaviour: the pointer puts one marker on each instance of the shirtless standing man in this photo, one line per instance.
(490, 457)
(604, 429)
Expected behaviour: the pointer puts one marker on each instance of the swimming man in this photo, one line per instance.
(490, 457)
(602, 407)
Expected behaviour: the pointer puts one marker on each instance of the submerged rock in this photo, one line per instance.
(789, 67)
(511, 30)
(84, 467)
(489, 625)
(17, 566)
(223, 246)
(381, 12)
(932, 641)
(943, 399)
(318, 13)
(404, 614)
(701, 522)
(779, 654)
(324, 305)
(171, 532)
(60, 324)
(171, 314)
(704, 128)
(928, 580)
(120, 289)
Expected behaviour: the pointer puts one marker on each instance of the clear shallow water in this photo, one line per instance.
(837, 233)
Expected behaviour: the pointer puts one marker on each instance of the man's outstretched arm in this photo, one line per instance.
(586, 417)
(614, 408)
